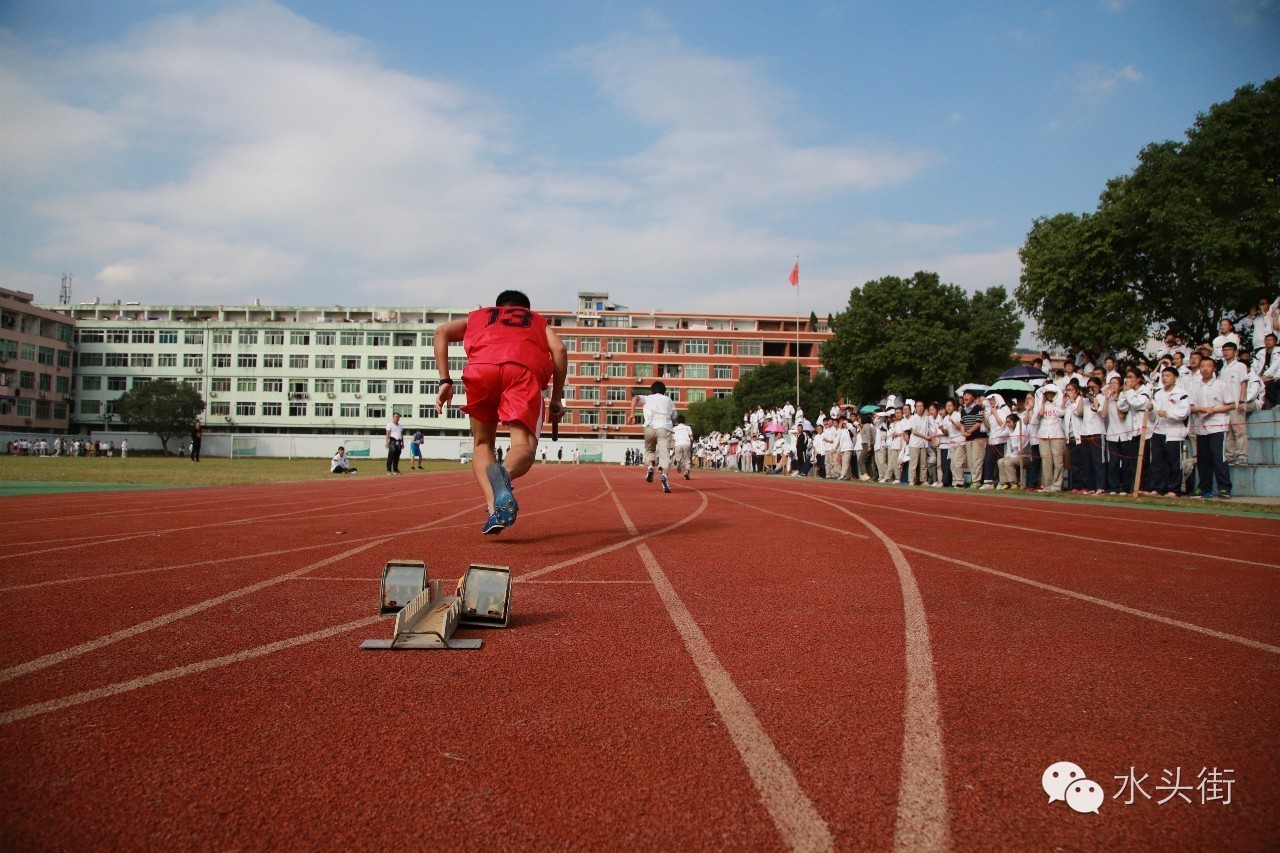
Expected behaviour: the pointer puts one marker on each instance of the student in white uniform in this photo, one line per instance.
(659, 421)
(1210, 407)
(1172, 406)
(682, 441)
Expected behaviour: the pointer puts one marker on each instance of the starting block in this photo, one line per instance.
(429, 618)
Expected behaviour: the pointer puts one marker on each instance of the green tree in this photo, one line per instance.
(1191, 235)
(773, 384)
(919, 337)
(718, 414)
(163, 407)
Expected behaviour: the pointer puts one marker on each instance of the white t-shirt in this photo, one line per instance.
(395, 430)
(659, 411)
(682, 435)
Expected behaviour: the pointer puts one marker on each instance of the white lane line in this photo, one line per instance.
(1080, 596)
(28, 711)
(817, 524)
(46, 661)
(923, 822)
(792, 812)
(1052, 533)
(1102, 602)
(641, 583)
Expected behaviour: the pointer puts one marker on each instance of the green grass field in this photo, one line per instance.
(33, 474)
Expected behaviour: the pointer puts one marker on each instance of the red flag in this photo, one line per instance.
(795, 275)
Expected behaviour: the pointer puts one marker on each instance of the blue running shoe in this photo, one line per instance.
(504, 502)
(666, 487)
(492, 526)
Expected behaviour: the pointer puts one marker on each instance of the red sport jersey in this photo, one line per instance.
(508, 365)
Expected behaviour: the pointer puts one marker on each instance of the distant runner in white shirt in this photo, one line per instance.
(682, 441)
(659, 422)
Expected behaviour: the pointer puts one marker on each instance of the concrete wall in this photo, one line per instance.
(362, 447)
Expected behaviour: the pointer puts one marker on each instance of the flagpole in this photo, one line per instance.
(797, 333)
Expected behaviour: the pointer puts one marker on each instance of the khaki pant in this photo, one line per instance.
(917, 459)
(684, 457)
(1237, 437)
(976, 451)
(882, 463)
(958, 456)
(659, 440)
(1052, 451)
(846, 464)
(1010, 468)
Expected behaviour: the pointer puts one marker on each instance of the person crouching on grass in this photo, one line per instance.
(511, 353)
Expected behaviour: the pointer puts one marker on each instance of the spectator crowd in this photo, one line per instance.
(1169, 420)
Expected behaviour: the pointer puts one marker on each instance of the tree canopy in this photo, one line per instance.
(1191, 235)
(919, 337)
(162, 407)
(772, 385)
(718, 414)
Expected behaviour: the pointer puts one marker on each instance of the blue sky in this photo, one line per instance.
(678, 155)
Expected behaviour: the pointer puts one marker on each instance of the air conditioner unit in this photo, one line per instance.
(608, 355)
(213, 393)
(597, 355)
(199, 370)
(44, 394)
(357, 396)
(382, 396)
(599, 378)
(330, 395)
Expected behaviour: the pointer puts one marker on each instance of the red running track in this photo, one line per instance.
(748, 662)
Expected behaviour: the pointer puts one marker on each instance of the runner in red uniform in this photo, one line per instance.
(511, 353)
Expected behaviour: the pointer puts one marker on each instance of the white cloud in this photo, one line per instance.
(249, 152)
(1097, 82)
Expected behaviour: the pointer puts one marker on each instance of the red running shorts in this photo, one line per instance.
(507, 392)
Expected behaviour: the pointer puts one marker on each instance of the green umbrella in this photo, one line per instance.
(1012, 385)
(866, 410)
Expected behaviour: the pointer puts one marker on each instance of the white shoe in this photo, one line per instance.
(985, 486)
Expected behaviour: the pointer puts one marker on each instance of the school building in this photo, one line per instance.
(337, 370)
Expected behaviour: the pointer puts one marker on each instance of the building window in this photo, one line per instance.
(45, 356)
(617, 345)
(221, 336)
(168, 336)
(590, 345)
(351, 339)
(646, 347)
(192, 360)
(376, 411)
(324, 386)
(191, 338)
(349, 410)
(377, 386)
(326, 339)
(695, 395)
(221, 359)
(427, 363)
(90, 407)
(116, 383)
(273, 360)
(247, 359)
(272, 410)
(695, 371)
(571, 344)
(92, 336)
(403, 362)
(722, 393)
(324, 410)
(404, 410)
(219, 407)
(167, 359)
(748, 347)
(615, 418)
(616, 369)
(696, 347)
(590, 393)
(426, 412)
(351, 386)
(118, 336)
(724, 347)
(90, 383)
(273, 338)
(144, 336)
(300, 339)
(644, 371)
(407, 339)
(615, 395)
(299, 362)
(457, 365)
(220, 383)
(589, 368)
(247, 385)
(246, 409)
(117, 359)
(325, 362)
(89, 359)
(591, 418)
(454, 413)
(297, 410)
(402, 386)
(248, 337)
(377, 362)
(723, 371)
(379, 339)
(351, 362)
(272, 386)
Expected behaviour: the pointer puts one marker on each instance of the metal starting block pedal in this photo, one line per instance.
(429, 619)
